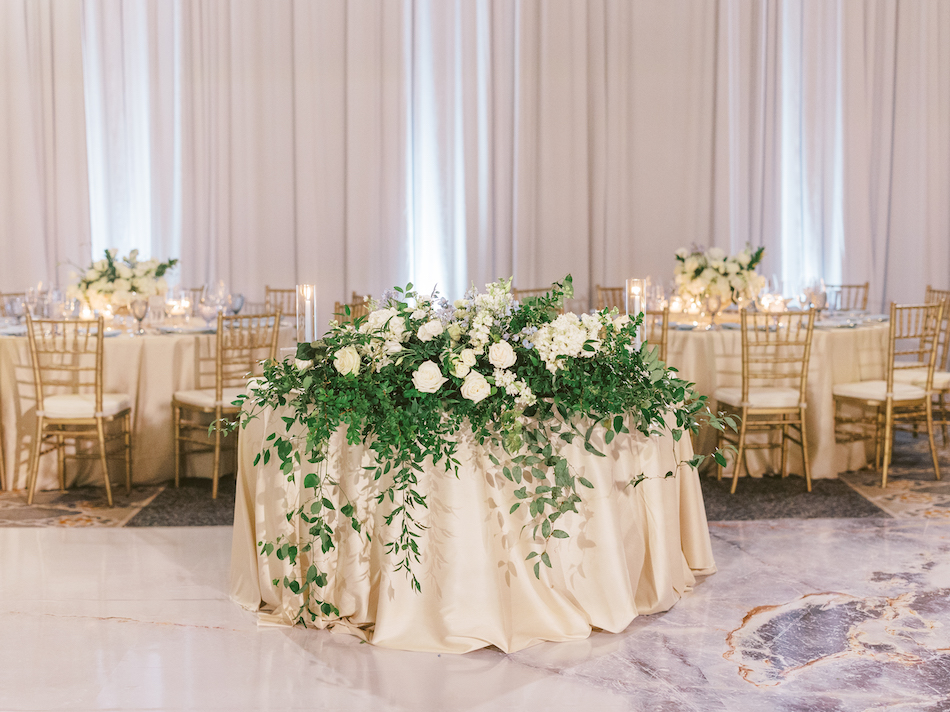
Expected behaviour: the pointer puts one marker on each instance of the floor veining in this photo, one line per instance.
(827, 614)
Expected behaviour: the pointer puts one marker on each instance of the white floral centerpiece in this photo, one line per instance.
(114, 282)
(700, 274)
(418, 372)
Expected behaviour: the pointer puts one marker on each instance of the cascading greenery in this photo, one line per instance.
(417, 371)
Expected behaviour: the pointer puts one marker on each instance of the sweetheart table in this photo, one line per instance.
(632, 550)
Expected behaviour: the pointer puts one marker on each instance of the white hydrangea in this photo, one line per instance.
(565, 337)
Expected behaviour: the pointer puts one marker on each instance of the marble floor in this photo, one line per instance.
(804, 615)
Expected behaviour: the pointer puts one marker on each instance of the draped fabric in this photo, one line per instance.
(361, 144)
(44, 200)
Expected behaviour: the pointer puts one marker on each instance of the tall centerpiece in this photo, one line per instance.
(419, 372)
(113, 282)
(710, 274)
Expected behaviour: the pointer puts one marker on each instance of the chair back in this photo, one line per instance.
(359, 307)
(848, 297)
(913, 340)
(776, 349)
(66, 354)
(241, 344)
(610, 297)
(656, 329)
(522, 294)
(284, 300)
(934, 296)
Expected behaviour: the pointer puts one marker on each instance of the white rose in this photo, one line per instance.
(743, 258)
(430, 330)
(621, 321)
(715, 253)
(692, 263)
(123, 271)
(455, 332)
(459, 369)
(501, 355)
(91, 275)
(347, 360)
(475, 388)
(682, 252)
(428, 377)
(467, 357)
(303, 365)
(392, 347)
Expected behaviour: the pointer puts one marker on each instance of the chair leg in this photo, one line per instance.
(740, 454)
(35, 459)
(176, 420)
(100, 431)
(805, 466)
(61, 461)
(944, 431)
(217, 454)
(784, 470)
(719, 440)
(878, 438)
(888, 444)
(127, 427)
(930, 434)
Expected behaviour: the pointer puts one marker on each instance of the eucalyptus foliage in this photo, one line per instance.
(416, 372)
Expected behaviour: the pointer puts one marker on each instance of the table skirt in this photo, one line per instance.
(632, 550)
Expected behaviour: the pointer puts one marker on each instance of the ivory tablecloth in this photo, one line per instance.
(632, 550)
(148, 368)
(713, 359)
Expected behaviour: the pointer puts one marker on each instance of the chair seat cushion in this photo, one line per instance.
(918, 377)
(83, 405)
(759, 397)
(204, 398)
(877, 391)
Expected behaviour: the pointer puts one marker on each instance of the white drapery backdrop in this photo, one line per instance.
(44, 197)
(361, 144)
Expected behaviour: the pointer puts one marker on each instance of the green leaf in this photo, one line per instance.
(311, 481)
(618, 423)
(514, 507)
(546, 560)
(560, 534)
(584, 481)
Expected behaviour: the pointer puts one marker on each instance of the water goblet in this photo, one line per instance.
(713, 305)
(16, 308)
(207, 310)
(139, 309)
(235, 303)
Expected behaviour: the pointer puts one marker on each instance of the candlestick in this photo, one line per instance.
(636, 292)
(306, 313)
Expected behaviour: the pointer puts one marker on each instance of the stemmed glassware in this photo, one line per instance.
(207, 310)
(713, 305)
(235, 303)
(16, 307)
(139, 310)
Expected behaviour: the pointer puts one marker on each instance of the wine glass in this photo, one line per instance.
(139, 309)
(713, 305)
(207, 310)
(16, 307)
(32, 300)
(235, 303)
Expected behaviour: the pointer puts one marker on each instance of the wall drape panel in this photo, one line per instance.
(366, 143)
(44, 200)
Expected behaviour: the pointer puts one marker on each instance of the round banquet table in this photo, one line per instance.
(149, 369)
(713, 359)
(631, 550)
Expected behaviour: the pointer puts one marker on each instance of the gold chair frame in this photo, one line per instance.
(610, 297)
(359, 307)
(848, 297)
(776, 348)
(942, 415)
(284, 300)
(656, 327)
(239, 341)
(522, 294)
(918, 324)
(58, 346)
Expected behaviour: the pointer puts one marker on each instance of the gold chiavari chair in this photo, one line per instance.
(241, 343)
(610, 297)
(359, 306)
(283, 299)
(941, 378)
(656, 329)
(522, 294)
(68, 354)
(885, 404)
(195, 294)
(776, 349)
(848, 297)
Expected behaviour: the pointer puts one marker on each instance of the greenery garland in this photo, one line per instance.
(418, 370)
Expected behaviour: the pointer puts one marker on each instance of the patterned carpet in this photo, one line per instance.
(912, 493)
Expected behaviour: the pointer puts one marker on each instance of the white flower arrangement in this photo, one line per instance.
(701, 274)
(115, 282)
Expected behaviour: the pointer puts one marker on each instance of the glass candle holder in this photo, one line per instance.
(635, 300)
(306, 313)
